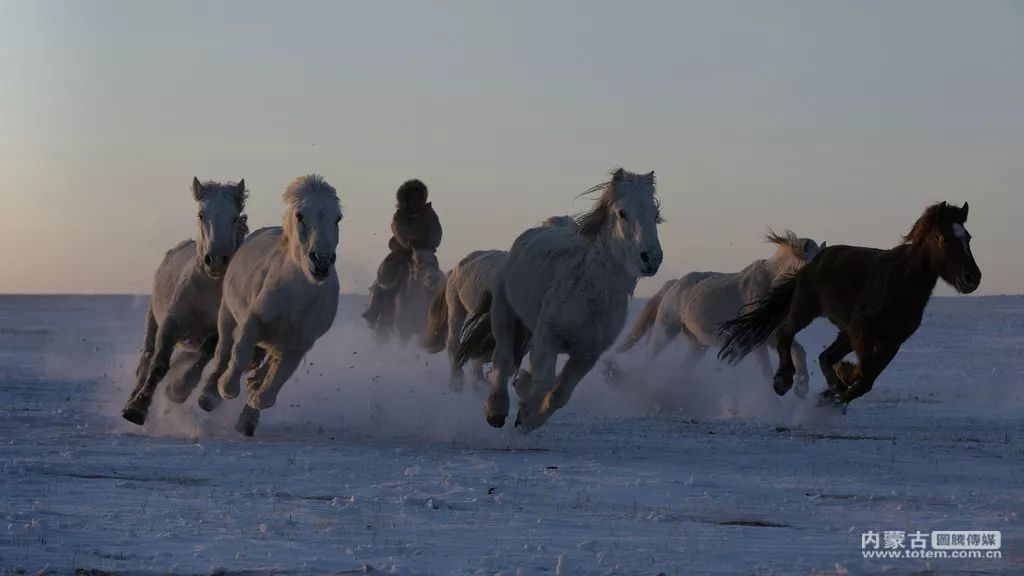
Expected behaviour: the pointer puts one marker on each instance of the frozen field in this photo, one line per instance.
(368, 462)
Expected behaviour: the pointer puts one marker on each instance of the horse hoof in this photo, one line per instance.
(498, 420)
(209, 402)
(827, 398)
(247, 421)
(134, 415)
(247, 429)
(782, 385)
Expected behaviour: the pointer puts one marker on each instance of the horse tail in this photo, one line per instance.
(757, 321)
(437, 319)
(646, 318)
(476, 339)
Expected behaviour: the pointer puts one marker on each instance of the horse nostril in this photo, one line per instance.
(312, 256)
(646, 257)
(208, 260)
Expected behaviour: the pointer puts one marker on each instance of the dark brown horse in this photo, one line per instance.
(875, 297)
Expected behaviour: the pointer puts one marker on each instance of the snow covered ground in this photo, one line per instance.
(368, 461)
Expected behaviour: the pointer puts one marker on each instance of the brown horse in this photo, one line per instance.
(875, 297)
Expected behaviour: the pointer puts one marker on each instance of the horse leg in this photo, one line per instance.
(262, 362)
(539, 380)
(188, 369)
(209, 397)
(478, 370)
(572, 373)
(802, 311)
(802, 378)
(456, 318)
(872, 358)
(148, 346)
(258, 368)
(247, 335)
(829, 359)
(138, 405)
(663, 334)
(503, 322)
(282, 366)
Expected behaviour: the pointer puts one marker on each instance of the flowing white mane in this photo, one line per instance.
(308, 187)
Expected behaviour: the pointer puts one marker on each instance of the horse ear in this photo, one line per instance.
(241, 185)
(823, 245)
(619, 175)
(197, 188)
(963, 211)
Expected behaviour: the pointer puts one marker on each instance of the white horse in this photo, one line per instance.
(186, 296)
(568, 291)
(463, 291)
(413, 298)
(280, 294)
(699, 302)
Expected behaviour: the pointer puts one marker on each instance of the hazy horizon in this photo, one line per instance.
(840, 120)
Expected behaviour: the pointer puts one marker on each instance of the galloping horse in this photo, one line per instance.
(696, 304)
(568, 290)
(462, 292)
(186, 296)
(281, 295)
(875, 297)
(413, 298)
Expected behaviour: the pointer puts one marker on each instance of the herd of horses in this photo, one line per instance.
(256, 303)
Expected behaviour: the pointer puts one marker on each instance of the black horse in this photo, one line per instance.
(875, 297)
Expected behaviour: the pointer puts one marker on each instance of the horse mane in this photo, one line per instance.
(590, 223)
(924, 226)
(311, 185)
(237, 191)
(788, 239)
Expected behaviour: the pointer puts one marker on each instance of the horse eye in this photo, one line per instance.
(200, 215)
(338, 221)
(622, 214)
(298, 216)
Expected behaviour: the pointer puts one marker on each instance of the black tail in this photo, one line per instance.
(753, 327)
(476, 339)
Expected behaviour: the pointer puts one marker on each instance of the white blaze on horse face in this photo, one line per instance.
(961, 233)
(636, 245)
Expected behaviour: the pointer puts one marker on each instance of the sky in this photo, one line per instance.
(840, 120)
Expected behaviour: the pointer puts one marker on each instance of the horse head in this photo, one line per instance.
(626, 216)
(793, 251)
(941, 231)
(220, 215)
(311, 226)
